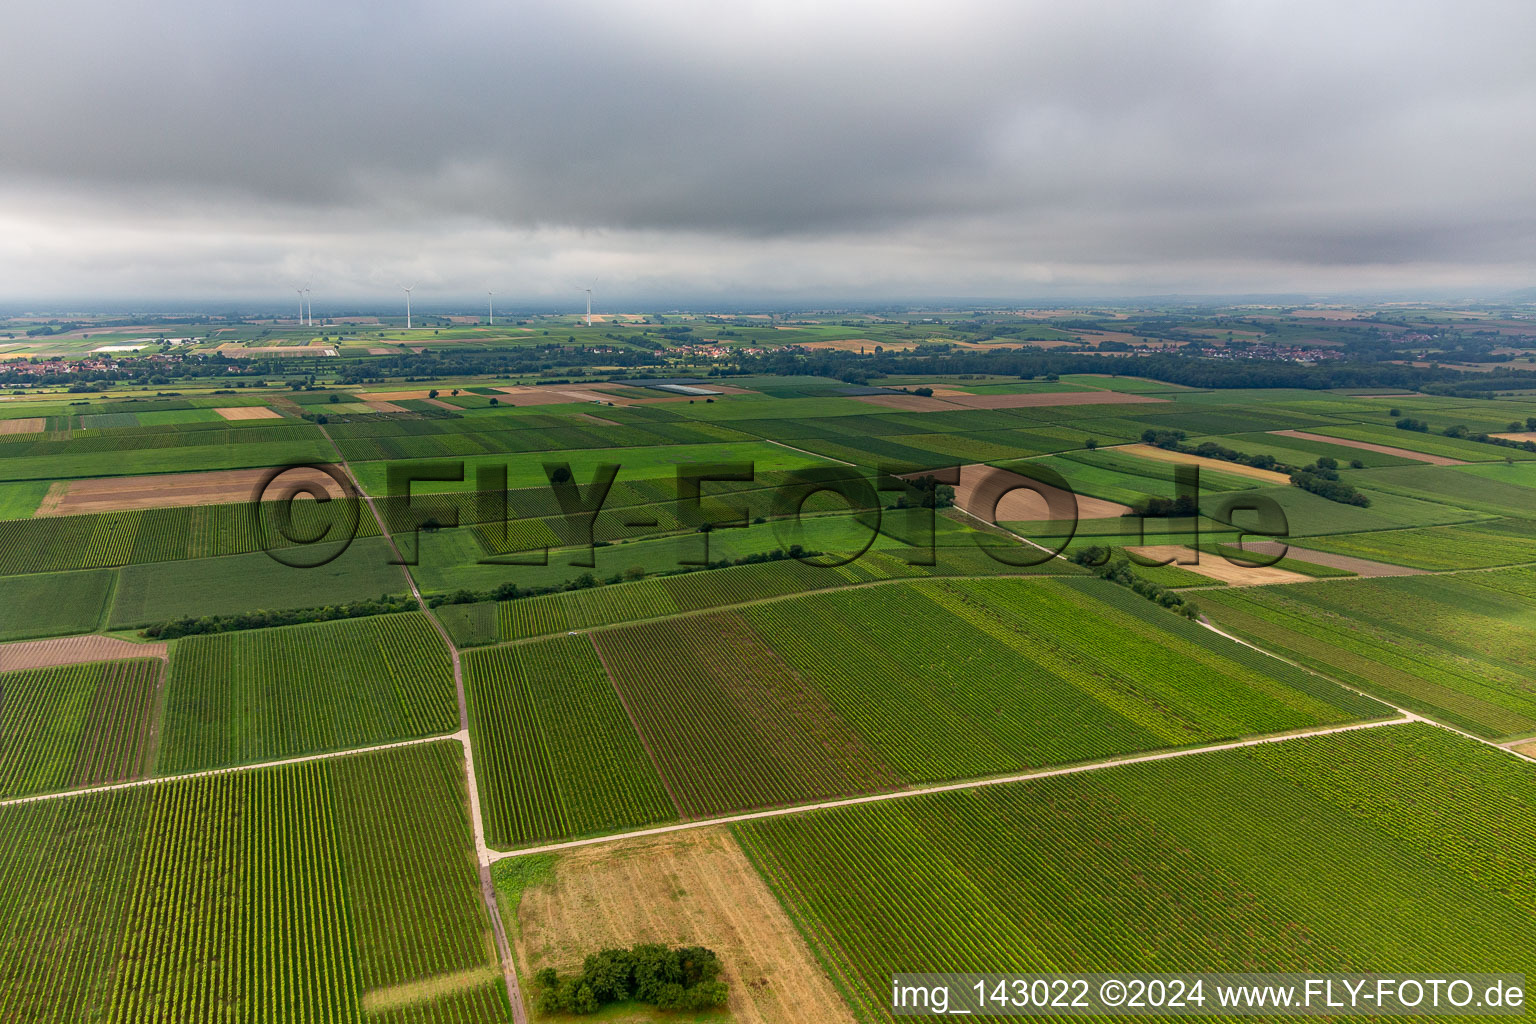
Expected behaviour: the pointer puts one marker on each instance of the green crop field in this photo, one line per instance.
(557, 755)
(160, 591)
(53, 604)
(1384, 850)
(306, 892)
(80, 725)
(263, 694)
(1456, 647)
(973, 678)
(109, 539)
(1484, 544)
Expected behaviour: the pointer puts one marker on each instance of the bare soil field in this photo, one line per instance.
(860, 345)
(1148, 451)
(909, 403)
(73, 650)
(1052, 398)
(249, 412)
(1524, 435)
(984, 487)
(386, 407)
(1528, 749)
(688, 888)
(521, 395)
(27, 425)
(1218, 568)
(1358, 566)
(1383, 449)
(220, 487)
(391, 396)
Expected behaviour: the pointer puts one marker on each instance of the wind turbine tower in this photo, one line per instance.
(301, 305)
(490, 307)
(311, 306)
(407, 291)
(588, 290)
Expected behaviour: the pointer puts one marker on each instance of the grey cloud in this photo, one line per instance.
(1288, 139)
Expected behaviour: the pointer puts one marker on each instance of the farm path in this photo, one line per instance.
(949, 787)
(477, 820)
(159, 780)
(802, 451)
(1509, 749)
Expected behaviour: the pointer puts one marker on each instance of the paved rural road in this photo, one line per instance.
(477, 821)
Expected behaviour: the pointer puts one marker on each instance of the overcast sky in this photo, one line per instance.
(777, 150)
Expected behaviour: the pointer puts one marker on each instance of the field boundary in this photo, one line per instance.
(1406, 718)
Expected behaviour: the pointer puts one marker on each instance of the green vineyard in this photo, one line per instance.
(302, 893)
(80, 725)
(260, 695)
(1381, 850)
(555, 752)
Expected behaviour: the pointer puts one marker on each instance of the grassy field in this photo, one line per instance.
(1384, 850)
(308, 892)
(53, 604)
(263, 694)
(1484, 544)
(1455, 647)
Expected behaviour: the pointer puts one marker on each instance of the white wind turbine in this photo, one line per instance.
(407, 290)
(301, 305)
(588, 290)
(490, 307)
(311, 306)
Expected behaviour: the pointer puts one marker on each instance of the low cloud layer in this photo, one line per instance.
(768, 151)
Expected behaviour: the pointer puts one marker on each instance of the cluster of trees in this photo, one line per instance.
(1191, 371)
(192, 625)
(1164, 508)
(1322, 479)
(1462, 432)
(925, 492)
(685, 978)
(1117, 569)
(586, 581)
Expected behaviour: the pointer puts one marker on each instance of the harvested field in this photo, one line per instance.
(27, 425)
(908, 403)
(1218, 568)
(1148, 451)
(858, 345)
(73, 650)
(249, 412)
(981, 485)
(265, 352)
(1052, 398)
(1528, 748)
(391, 396)
(1358, 566)
(520, 395)
(1524, 435)
(376, 351)
(385, 407)
(1383, 449)
(693, 888)
(221, 487)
